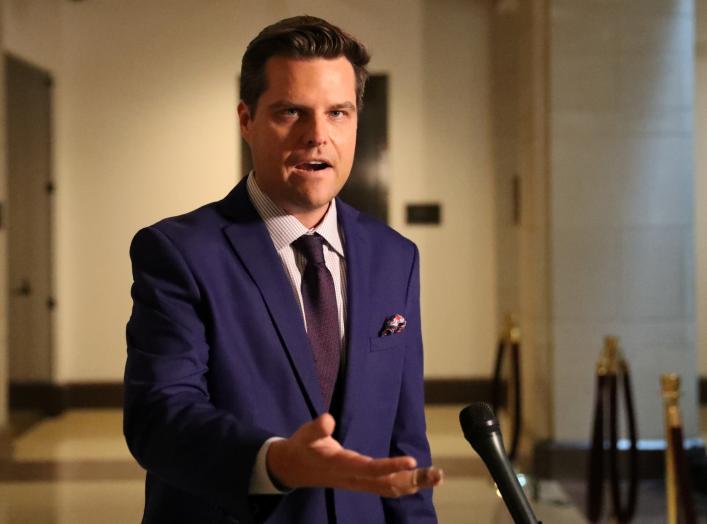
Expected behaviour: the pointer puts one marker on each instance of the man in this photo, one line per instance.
(274, 346)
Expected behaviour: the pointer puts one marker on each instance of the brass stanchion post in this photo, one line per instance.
(678, 486)
(670, 384)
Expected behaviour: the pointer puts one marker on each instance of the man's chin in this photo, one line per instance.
(314, 200)
(311, 204)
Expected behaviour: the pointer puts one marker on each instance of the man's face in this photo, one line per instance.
(303, 134)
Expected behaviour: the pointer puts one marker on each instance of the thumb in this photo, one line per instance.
(320, 427)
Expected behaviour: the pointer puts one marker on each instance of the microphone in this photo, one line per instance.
(481, 429)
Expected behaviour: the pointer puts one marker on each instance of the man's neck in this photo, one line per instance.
(311, 219)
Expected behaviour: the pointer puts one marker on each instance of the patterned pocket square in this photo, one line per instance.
(394, 324)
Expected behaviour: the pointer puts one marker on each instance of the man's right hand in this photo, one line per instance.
(311, 457)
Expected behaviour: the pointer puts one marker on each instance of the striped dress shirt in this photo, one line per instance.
(285, 229)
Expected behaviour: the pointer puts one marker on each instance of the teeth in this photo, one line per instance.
(314, 165)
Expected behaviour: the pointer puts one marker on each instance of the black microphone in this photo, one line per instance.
(482, 431)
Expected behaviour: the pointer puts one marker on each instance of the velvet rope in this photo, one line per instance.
(607, 401)
(497, 396)
(497, 384)
(518, 414)
(595, 481)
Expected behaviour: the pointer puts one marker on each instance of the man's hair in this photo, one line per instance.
(299, 37)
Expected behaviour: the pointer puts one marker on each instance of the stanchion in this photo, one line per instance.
(509, 343)
(612, 368)
(677, 477)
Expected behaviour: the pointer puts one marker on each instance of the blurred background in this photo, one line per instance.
(549, 158)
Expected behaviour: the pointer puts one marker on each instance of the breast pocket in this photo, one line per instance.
(386, 343)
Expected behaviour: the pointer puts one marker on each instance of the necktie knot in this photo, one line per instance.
(311, 247)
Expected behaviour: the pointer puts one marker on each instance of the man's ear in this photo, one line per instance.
(245, 120)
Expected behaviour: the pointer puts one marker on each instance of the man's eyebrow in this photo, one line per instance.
(344, 105)
(283, 104)
(280, 104)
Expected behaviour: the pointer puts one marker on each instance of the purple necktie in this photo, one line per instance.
(321, 312)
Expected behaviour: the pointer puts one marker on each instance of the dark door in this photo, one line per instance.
(28, 95)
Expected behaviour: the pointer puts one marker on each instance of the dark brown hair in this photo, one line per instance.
(299, 37)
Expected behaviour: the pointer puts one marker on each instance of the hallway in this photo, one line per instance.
(72, 468)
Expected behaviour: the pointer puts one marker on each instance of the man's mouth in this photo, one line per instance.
(314, 165)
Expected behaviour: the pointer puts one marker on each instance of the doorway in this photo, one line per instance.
(29, 223)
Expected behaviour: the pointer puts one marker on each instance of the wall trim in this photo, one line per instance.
(53, 399)
(6, 447)
(457, 390)
(568, 460)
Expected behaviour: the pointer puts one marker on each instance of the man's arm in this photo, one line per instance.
(170, 425)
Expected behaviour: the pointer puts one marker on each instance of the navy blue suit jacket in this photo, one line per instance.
(219, 361)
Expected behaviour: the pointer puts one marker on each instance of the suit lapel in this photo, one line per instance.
(250, 240)
(357, 251)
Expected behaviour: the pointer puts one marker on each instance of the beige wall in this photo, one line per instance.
(145, 128)
(4, 360)
(519, 79)
(701, 179)
(622, 203)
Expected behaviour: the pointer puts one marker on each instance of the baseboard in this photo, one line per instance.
(5, 444)
(458, 390)
(55, 398)
(568, 460)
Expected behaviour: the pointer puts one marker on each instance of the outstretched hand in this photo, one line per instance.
(311, 457)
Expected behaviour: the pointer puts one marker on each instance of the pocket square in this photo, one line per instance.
(394, 324)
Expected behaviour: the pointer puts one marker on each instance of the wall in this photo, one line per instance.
(4, 360)
(520, 97)
(701, 179)
(145, 128)
(622, 202)
(458, 285)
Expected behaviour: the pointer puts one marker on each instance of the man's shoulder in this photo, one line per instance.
(198, 221)
(375, 230)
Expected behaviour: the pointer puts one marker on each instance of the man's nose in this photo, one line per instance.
(316, 132)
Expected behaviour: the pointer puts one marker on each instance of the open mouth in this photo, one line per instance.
(314, 165)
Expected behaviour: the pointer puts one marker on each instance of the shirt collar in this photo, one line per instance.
(284, 228)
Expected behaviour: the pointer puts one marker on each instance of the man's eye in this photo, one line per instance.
(290, 112)
(338, 114)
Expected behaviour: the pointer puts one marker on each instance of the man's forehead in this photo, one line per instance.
(282, 62)
(282, 74)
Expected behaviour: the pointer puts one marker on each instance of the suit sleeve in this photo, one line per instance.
(171, 427)
(409, 430)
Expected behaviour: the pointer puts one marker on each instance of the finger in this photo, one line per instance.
(427, 477)
(407, 482)
(387, 466)
(390, 486)
(350, 463)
